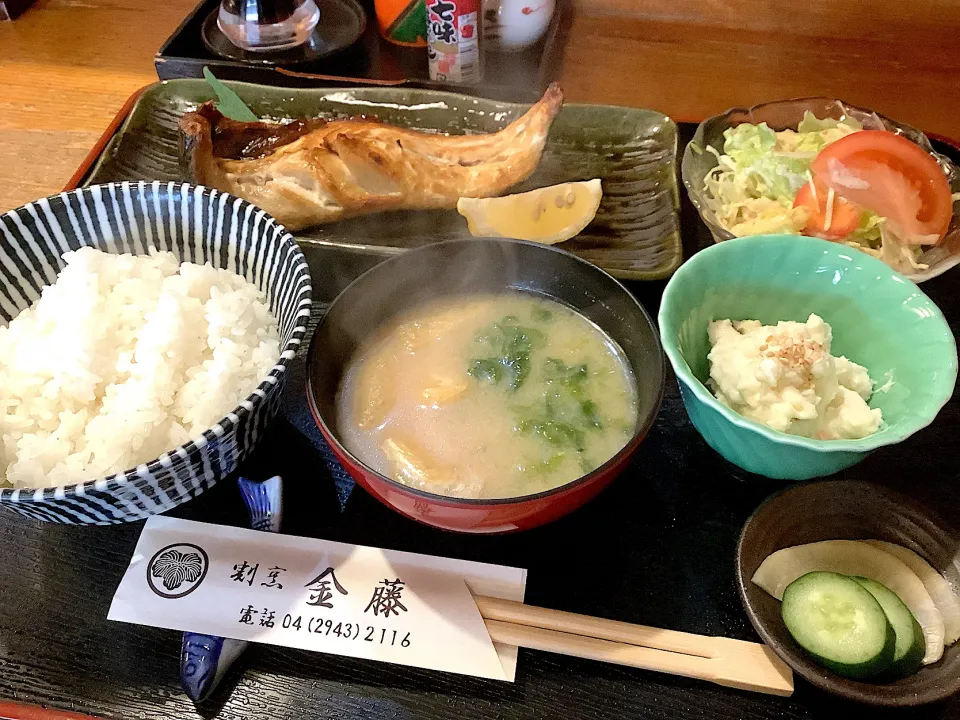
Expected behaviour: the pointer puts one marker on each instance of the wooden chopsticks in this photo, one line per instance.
(733, 663)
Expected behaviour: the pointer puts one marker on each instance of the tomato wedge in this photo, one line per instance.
(844, 216)
(893, 177)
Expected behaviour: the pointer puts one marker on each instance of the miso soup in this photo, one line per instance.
(487, 396)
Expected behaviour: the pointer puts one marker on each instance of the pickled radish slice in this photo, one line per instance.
(852, 557)
(940, 591)
(909, 646)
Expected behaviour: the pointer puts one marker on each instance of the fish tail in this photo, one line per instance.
(535, 123)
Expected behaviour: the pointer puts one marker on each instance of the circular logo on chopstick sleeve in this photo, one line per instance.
(177, 570)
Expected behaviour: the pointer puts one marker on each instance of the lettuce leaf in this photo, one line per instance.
(811, 123)
(747, 143)
(752, 150)
(868, 232)
(758, 175)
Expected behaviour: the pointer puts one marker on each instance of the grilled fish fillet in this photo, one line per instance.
(310, 171)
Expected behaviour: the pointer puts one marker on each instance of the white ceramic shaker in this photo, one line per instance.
(515, 25)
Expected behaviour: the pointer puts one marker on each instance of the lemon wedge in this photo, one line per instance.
(548, 215)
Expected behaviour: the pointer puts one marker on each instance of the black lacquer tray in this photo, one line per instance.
(656, 548)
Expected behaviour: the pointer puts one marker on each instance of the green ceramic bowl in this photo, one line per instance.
(880, 320)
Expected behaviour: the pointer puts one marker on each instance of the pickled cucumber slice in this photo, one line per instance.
(910, 645)
(839, 623)
(941, 593)
(852, 557)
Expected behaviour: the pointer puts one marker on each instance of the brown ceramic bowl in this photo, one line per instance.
(847, 510)
(458, 267)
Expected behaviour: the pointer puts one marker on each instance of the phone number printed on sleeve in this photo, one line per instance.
(347, 630)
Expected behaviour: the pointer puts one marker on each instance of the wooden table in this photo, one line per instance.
(67, 66)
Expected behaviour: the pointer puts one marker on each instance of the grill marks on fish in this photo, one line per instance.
(310, 172)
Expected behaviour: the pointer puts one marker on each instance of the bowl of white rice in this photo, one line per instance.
(146, 333)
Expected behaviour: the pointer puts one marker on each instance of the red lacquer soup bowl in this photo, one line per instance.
(463, 267)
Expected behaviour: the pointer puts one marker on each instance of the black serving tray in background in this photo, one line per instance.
(516, 77)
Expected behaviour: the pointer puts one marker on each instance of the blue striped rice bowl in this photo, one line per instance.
(197, 225)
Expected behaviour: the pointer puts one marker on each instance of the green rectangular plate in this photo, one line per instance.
(634, 236)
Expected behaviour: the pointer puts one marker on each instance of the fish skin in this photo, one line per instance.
(319, 172)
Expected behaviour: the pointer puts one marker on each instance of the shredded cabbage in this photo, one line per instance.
(758, 174)
(898, 255)
(751, 190)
